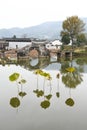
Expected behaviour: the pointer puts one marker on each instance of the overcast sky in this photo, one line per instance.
(26, 13)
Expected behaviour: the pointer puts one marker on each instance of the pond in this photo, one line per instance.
(46, 96)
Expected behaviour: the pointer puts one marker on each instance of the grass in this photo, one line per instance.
(81, 49)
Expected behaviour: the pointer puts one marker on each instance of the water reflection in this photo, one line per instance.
(41, 93)
(71, 77)
(41, 98)
(81, 60)
(33, 64)
(43, 62)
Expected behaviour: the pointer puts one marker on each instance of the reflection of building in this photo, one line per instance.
(11, 54)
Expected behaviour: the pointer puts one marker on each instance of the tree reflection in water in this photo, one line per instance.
(71, 78)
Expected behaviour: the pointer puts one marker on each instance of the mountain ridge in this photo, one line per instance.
(47, 30)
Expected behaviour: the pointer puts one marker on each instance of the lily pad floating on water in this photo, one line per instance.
(70, 69)
(69, 102)
(35, 91)
(47, 76)
(15, 102)
(39, 92)
(14, 77)
(48, 96)
(22, 94)
(45, 104)
(38, 71)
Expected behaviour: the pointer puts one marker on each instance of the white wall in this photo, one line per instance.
(51, 46)
(12, 45)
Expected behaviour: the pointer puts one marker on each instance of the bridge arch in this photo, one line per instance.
(42, 63)
(35, 48)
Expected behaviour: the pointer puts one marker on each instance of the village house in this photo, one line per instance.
(54, 45)
(3, 44)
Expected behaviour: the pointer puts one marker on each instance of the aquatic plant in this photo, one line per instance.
(38, 71)
(48, 96)
(39, 93)
(69, 102)
(15, 102)
(14, 77)
(58, 93)
(70, 69)
(22, 94)
(45, 104)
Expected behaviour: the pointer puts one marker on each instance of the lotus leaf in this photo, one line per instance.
(35, 91)
(40, 93)
(70, 69)
(23, 81)
(48, 96)
(14, 76)
(38, 71)
(45, 104)
(15, 102)
(22, 94)
(69, 102)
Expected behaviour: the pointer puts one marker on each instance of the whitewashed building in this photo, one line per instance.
(54, 45)
(19, 45)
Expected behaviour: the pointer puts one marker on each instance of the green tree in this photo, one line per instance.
(73, 26)
(81, 38)
(14, 36)
(65, 38)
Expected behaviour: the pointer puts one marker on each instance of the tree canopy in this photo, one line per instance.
(65, 37)
(72, 28)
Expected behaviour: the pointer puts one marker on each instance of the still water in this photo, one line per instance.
(31, 112)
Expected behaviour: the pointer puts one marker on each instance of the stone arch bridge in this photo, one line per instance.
(39, 46)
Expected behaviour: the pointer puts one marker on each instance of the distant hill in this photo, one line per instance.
(47, 30)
